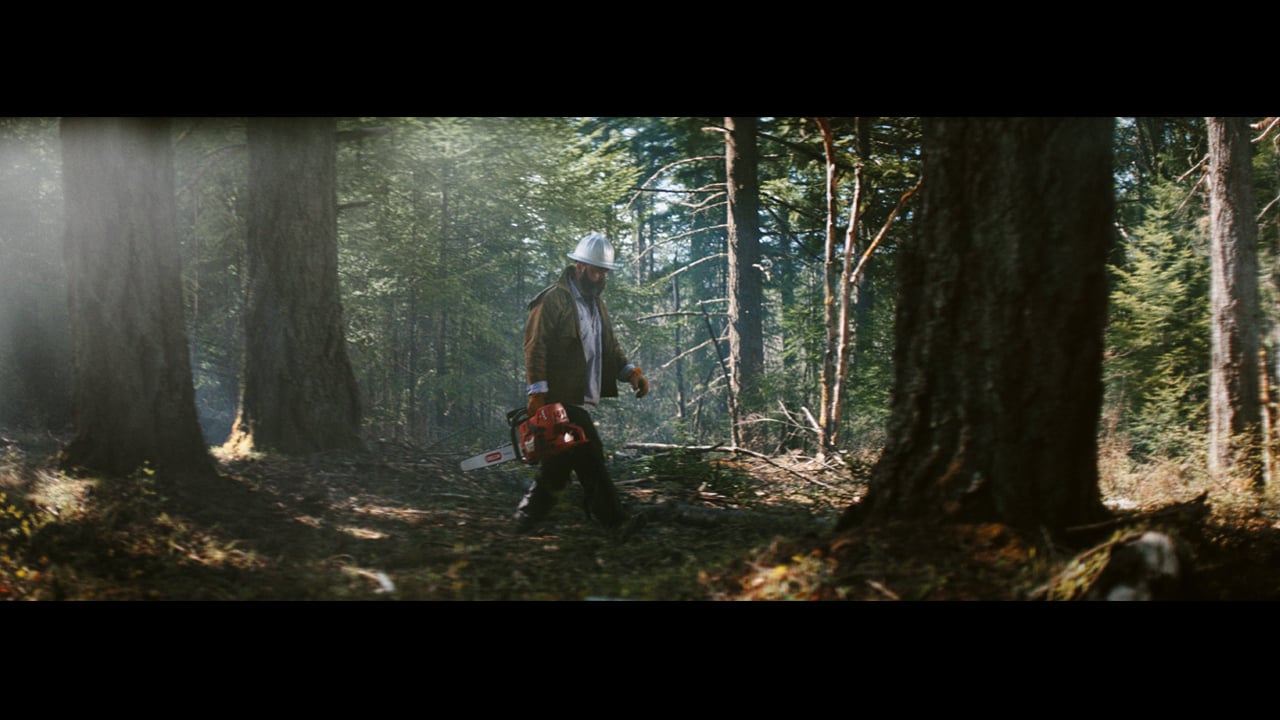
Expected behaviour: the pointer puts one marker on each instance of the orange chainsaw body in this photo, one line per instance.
(546, 433)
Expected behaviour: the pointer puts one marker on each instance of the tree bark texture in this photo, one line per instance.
(1002, 301)
(133, 396)
(746, 333)
(845, 330)
(831, 287)
(1235, 409)
(298, 394)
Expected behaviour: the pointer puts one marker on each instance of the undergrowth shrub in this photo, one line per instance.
(1131, 476)
(19, 522)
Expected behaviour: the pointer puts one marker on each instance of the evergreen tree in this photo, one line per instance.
(133, 394)
(1001, 308)
(1158, 330)
(1235, 410)
(298, 392)
(746, 339)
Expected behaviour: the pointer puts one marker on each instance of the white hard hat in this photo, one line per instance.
(594, 250)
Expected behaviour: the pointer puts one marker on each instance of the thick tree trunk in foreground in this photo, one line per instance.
(1002, 303)
(298, 393)
(1235, 407)
(133, 395)
(746, 333)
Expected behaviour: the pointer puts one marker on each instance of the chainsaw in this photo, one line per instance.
(546, 433)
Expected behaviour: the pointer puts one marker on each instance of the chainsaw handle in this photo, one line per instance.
(514, 418)
(579, 435)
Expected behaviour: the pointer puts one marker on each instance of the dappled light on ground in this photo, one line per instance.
(396, 524)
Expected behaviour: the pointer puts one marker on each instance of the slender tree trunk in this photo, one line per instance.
(1235, 409)
(395, 414)
(298, 393)
(414, 412)
(831, 275)
(680, 394)
(841, 326)
(440, 317)
(644, 265)
(746, 334)
(846, 326)
(1002, 300)
(133, 394)
(1271, 368)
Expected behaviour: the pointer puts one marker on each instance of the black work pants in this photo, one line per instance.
(587, 462)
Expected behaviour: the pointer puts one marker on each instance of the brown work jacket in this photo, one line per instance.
(553, 346)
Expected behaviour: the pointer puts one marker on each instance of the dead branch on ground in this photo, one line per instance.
(728, 449)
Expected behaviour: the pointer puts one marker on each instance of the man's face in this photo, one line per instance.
(591, 279)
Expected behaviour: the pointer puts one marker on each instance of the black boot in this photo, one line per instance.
(534, 507)
(601, 499)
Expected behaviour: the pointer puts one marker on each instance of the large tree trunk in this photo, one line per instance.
(133, 394)
(298, 392)
(746, 334)
(1235, 409)
(1002, 303)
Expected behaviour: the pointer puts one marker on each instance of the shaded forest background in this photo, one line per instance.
(447, 226)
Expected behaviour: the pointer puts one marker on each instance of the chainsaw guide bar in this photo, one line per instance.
(546, 433)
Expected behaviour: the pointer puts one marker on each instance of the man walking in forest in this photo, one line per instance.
(572, 357)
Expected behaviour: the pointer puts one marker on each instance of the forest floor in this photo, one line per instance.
(397, 524)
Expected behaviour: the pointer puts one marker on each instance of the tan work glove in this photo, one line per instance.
(638, 383)
(536, 401)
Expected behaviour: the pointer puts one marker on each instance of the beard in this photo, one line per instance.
(591, 289)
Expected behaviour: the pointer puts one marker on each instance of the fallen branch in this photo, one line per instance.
(671, 512)
(813, 422)
(880, 588)
(669, 446)
(728, 449)
(1194, 507)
